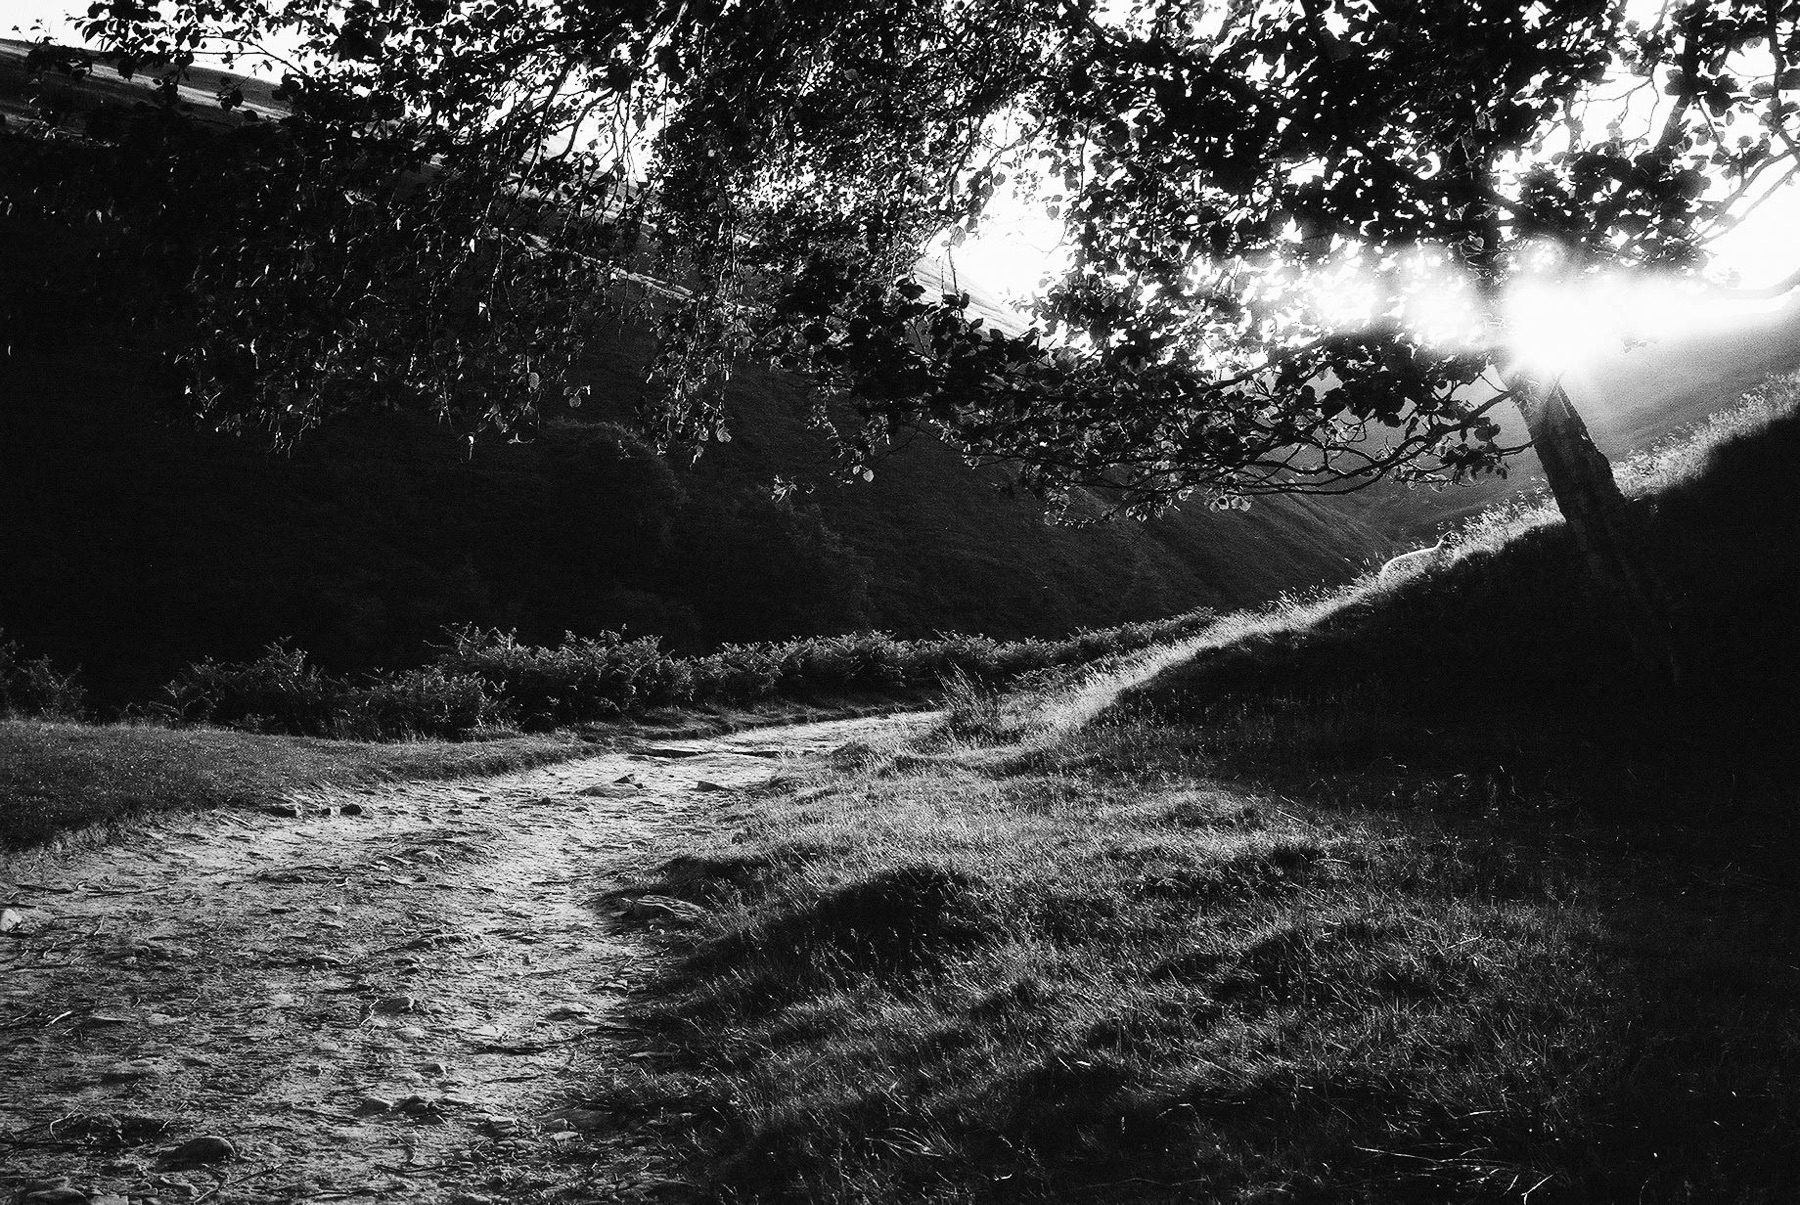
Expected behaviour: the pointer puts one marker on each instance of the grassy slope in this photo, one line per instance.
(1330, 911)
(57, 778)
(1497, 662)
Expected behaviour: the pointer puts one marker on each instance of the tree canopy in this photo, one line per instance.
(1291, 225)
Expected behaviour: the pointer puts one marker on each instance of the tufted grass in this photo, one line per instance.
(975, 970)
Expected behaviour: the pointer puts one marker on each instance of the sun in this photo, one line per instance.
(1557, 325)
(1551, 328)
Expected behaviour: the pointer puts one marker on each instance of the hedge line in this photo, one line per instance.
(487, 678)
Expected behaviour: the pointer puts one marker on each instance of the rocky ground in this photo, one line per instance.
(395, 993)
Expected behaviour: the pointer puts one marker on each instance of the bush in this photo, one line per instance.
(280, 692)
(588, 679)
(277, 692)
(737, 673)
(580, 681)
(34, 689)
(960, 656)
(486, 677)
(426, 702)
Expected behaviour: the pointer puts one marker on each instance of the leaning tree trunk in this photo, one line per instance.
(1607, 534)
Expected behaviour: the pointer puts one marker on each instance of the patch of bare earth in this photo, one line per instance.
(386, 994)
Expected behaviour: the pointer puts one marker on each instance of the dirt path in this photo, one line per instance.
(394, 995)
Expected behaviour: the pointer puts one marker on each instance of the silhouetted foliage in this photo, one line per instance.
(1267, 206)
(451, 190)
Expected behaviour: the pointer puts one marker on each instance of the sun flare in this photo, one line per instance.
(1557, 325)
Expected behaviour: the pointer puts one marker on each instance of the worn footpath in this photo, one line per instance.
(393, 993)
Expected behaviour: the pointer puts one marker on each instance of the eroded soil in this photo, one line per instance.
(388, 994)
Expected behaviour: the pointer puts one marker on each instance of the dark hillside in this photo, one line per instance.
(135, 545)
(1496, 671)
(131, 544)
(377, 531)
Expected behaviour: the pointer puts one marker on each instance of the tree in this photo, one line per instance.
(763, 174)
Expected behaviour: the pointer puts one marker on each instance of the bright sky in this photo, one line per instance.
(23, 15)
(1018, 245)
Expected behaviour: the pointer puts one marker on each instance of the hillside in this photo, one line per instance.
(379, 530)
(1499, 667)
(1413, 892)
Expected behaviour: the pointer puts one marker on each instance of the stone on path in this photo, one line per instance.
(136, 1069)
(55, 1196)
(662, 910)
(580, 1121)
(208, 1148)
(569, 1012)
(423, 1109)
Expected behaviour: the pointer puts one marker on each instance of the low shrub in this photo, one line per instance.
(280, 692)
(277, 692)
(36, 689)
(426, 702)
(858, 661)
(737, 673)
(582, 680)
(956, 655)
(485, 677)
